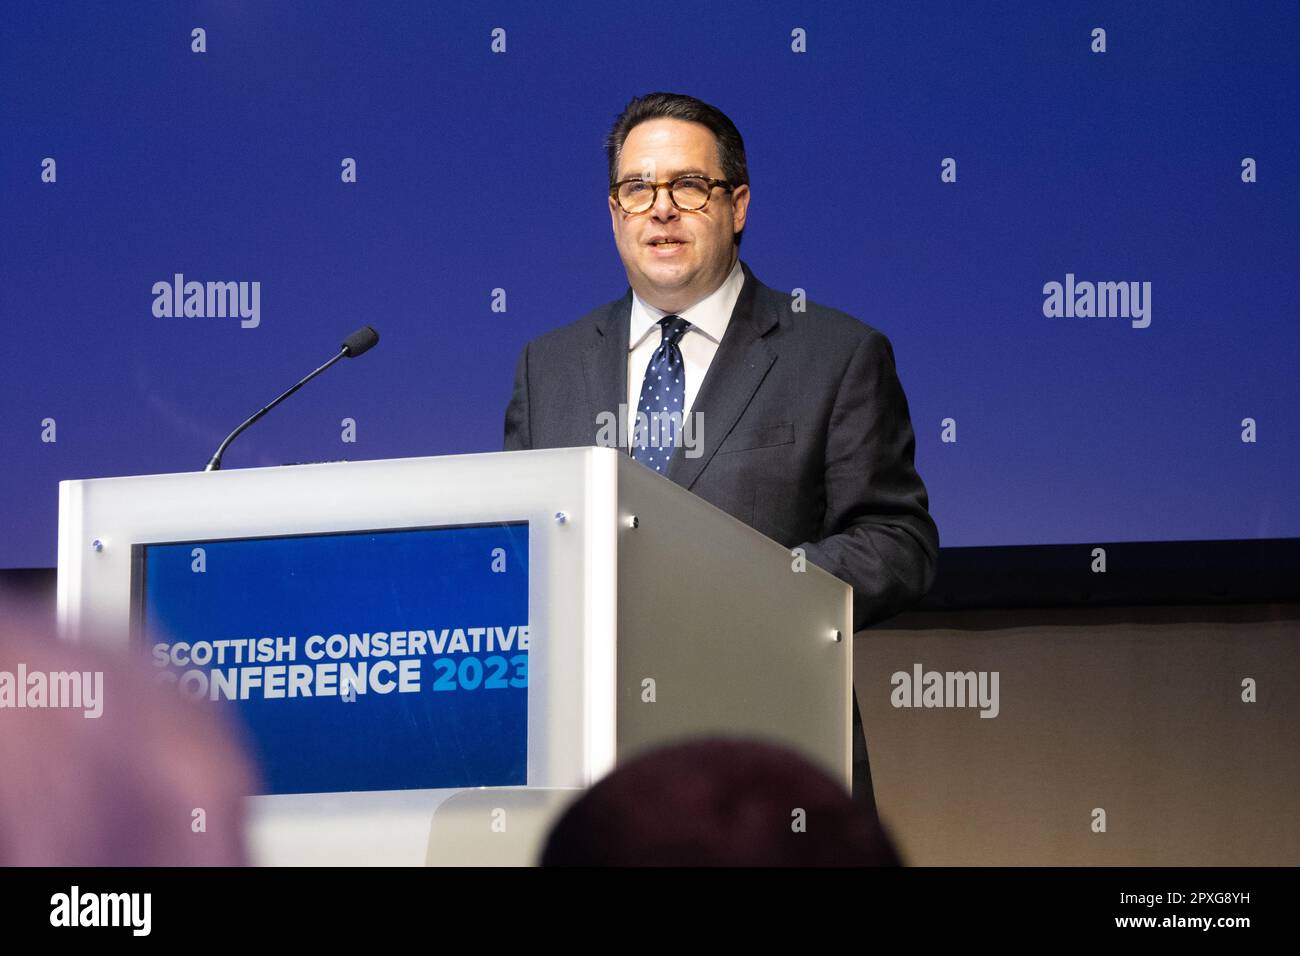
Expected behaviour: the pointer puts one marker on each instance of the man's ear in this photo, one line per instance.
(614, 210)
(739, 207)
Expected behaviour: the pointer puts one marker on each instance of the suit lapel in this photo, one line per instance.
(604, 364)
(740, 364)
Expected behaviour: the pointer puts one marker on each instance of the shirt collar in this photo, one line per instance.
(710, 315)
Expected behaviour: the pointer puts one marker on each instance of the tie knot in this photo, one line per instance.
(673, 327)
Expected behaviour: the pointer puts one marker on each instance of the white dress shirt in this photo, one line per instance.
(709, 319)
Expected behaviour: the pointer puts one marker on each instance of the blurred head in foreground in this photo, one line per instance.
(151, 781)
(718, 803)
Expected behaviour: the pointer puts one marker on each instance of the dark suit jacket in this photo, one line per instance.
(806, 434)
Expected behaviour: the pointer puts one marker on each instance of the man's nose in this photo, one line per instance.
(664, 210)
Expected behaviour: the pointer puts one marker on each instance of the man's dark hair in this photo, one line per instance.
(718, 802)
(679, 106)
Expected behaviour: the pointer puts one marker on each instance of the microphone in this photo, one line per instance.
(358, 343)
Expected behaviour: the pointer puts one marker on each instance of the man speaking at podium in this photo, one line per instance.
(788, 417)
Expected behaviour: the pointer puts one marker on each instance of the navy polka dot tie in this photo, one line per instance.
(657, 427)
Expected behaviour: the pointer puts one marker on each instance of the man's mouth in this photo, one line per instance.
(666, 244)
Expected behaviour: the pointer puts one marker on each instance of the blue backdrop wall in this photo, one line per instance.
(1167, 159)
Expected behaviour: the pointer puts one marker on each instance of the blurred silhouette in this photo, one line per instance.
(718, 802)
(153, 781)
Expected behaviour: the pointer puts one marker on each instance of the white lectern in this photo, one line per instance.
(651, 615)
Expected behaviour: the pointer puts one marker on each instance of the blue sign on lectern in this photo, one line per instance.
(377, 660)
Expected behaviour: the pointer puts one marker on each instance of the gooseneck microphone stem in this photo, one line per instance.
(215, 463)
(357, 343)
